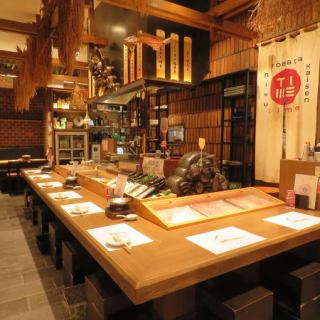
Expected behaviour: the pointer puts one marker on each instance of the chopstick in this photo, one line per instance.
(117, 238)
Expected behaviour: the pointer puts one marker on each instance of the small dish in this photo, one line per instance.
(47, 185)
(79, 210)
(61, 196)
(118, 240)
(120, 201)
(26, 157)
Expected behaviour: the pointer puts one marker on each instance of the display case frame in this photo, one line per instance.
(154, 210)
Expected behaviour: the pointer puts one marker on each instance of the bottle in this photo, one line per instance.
(140, 184)
(306, 150)
(155, 187)
(311, 154)
(144, 186)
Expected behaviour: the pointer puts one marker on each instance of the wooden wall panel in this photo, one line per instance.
(199, 111)
(231, 54)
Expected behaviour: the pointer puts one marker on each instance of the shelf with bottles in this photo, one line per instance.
(69, 120)
(106, 120)
(158, 109)
(61, 100)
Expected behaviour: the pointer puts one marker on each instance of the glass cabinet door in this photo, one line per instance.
(71, 146)
(64, 141)
(78, 142)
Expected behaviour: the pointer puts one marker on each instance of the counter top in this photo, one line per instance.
(170, 262)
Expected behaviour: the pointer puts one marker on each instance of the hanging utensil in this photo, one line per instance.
(202, 144)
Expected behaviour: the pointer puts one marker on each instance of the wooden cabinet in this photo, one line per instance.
(71, 146)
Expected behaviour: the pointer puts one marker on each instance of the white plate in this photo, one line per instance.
(61, 197)
(112, 240)
(47, 185)
(79, 210)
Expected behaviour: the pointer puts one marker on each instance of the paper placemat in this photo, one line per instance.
(51, 184)
(40, 177)
(122, 229)
(35, 171)
(89, 206)
(65, 195)
(224, 240)
(294, 220)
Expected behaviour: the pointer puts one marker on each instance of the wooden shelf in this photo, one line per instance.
(101, 127)
(62, 77)
(69, 110)
(72, 130)
(92, 39)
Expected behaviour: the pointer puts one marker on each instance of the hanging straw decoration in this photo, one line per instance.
(25, 87)
(35, 68)
(43, 63)
(69, 31)
(66, 18)
(273, 17)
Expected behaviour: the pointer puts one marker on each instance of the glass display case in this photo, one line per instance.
(71, 146)
(184, 211)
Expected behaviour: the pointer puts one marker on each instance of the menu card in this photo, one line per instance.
(51, 184)
(121, 184)
(40, 177)
(34, 171)
(122, 230)
(224, 240)
(81, 208)
(294, 220)
(65, 195)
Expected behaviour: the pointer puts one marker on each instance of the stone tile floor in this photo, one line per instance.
(30, 286)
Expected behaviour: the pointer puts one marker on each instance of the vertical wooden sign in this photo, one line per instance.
(132, 65)
(161, 57)
(125, 65)
(174, 56)
(187, 59)
(139, 61)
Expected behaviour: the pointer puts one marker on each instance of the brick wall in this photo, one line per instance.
(21, 129)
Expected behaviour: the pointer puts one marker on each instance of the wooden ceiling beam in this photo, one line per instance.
(227, 7)
(18, 27)
(30, 29)
(183, 15)
(249, 5)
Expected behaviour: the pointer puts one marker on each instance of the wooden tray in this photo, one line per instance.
(184, 211)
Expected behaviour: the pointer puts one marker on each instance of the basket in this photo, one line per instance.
(75, 302)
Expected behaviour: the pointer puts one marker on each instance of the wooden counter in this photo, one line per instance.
(171, 262)
(35, 162)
